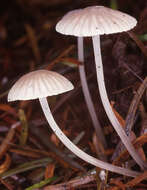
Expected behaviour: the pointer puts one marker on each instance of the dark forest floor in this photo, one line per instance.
(30, 153)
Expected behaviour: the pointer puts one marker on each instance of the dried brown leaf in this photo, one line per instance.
(49, 172)
(119, 117)
(5, 165)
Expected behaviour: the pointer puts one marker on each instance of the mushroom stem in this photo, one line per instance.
(102, 90)
(84, 156)
(87, 96)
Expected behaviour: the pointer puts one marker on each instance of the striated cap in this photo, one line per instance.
(39, 84)
(95, 20)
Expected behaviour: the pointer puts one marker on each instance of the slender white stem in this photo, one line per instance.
(80, 49)
(107, 106)
(84, 156)
(87, 96)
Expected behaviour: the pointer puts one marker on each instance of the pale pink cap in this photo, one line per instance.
(39, 84)
(95, 20)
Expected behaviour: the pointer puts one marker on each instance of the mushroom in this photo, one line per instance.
(94, 21)
(42, 83)
(85, 89)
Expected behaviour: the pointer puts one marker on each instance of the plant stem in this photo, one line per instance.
(107, 106)
(87, 96)
(84, 156)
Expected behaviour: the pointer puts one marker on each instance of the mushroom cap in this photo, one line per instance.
(95, 20)
(39, 84)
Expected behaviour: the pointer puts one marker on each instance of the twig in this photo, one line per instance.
(130, 116)
(5, 144)
(24, 127)
(143, 114)
(133, 107)
(65, 52)
(74, 182)
(138, 42)
(133, 72)
(137, 180)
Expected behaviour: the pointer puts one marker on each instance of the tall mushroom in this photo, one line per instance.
(94, 21)
(40, 84)
(85, 89)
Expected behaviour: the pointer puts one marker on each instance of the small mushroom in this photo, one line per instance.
(94, 21)
(40, 84)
